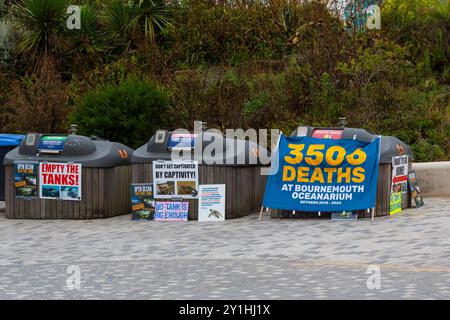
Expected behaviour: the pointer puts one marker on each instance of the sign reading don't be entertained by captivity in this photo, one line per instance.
(60, 181)
(326, 175)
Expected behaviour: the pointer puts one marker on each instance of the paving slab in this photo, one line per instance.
(117, 258)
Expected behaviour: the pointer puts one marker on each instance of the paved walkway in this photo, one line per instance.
(238, 259)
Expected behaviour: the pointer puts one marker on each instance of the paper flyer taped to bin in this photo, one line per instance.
(26, 179)
(175, 179)
(211, 203)
(344, 216)
(60, 181)
(142, 201)
(171, 210)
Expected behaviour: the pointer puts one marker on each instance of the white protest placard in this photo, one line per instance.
(60, 181)
(211, 205)
(399, 174)
(175, 179)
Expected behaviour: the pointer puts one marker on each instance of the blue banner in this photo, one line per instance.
(326, 175)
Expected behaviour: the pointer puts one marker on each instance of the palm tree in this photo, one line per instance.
(152, 15)
(130, 21)
(119, 20)
(40, 24)
(90, 38)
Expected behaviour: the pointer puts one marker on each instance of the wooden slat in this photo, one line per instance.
(118, 178)
(42, 206)
(9, 192)
(59, 209)
(26, 209)
(101, 192)
(65, 209)
(90, 193)
(70, 209)
(21, 209)
(48, 211)
(84, 197)
(53, 204)
(95, 193)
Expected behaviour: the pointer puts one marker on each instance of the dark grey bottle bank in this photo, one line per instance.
(390, 146)
(105, 177)
(243, 179)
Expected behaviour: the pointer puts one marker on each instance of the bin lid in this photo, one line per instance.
(89, 151)
(10, 140)
(216, 149)
(388, 147)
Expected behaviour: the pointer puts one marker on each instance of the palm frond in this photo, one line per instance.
(39, 22)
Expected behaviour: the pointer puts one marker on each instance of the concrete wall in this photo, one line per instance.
(433, 177)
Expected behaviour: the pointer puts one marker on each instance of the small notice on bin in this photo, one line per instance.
(344, 216)
(211, 205)
(182, 141)
(60, 181)
(52, 144)
(25, 179)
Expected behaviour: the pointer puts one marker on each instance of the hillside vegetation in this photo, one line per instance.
(136, 65)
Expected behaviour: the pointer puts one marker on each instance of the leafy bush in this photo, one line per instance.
(245, 63)
(35, 105)
(207, 33)
(423, 26)
(129, 112)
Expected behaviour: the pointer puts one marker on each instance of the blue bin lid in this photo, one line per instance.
(10, 140)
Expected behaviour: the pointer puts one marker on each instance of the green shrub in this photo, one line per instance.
(235, 64)
(207, 33)
(129, 112)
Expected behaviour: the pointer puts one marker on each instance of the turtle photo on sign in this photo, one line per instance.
(215, 213)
